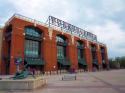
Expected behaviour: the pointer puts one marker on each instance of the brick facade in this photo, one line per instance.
(48, 46)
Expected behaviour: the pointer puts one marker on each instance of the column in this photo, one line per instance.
(99, 56)
(88, 55)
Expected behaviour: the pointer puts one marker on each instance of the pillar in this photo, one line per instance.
(88, 56)
(72, 53)
(49, 50)
(99, 56)
(17, 45)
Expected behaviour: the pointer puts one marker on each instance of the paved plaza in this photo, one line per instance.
(112, 81)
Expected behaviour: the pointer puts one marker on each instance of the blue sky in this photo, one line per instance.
(105, 18)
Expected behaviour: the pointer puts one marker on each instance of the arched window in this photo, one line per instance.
(94, 57)
(79, 43)
(60, 39)
(80, 48)
(93, 50)
(61, 46)
(31, 31)
(81, 55)
(103, 54)
(62, 59)
(32, 42)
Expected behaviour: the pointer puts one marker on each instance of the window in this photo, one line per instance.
(32, 48)
(94, 55)
(103, 53)
(80, 53)
(61, 48)
(60, 39)
(80, 49)
(93, 50)
(78, 43)
(32, 45)
(32, 32)
(60, 51)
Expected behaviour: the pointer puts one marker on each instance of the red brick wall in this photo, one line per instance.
(49, 49)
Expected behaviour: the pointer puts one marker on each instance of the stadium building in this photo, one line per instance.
(52, 46)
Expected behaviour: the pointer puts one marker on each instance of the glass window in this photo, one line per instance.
(61, 51)
(94, 55)
(32, 31)
(80, 53)
(93, 51)
(93, 48)
(103, 56)
(103, 53)
(60, 39)
(32, 48)
(80, 48)
(78, 44)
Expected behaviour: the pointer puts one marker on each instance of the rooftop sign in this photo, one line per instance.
(76, 31)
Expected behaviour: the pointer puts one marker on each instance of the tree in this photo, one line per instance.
(117, 63)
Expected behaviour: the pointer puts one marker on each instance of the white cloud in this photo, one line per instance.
(90, 13)
(79, 13)
(2, 20)
(40, 9)
(113, 6)
(112, 34)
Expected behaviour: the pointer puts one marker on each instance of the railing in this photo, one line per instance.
(26, 19)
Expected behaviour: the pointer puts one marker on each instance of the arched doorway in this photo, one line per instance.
(94, 58)
(81, 56)
(63, 61)
(104, 65)
(33, 55)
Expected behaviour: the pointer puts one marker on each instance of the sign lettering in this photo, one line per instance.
(71, 29)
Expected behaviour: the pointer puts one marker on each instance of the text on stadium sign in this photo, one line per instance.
(71, 28)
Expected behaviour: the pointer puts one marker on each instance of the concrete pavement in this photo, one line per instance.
(112, 81)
